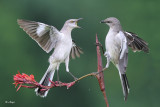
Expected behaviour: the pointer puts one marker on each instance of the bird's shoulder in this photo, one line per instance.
(120, 35)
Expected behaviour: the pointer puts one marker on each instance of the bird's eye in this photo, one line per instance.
(72, 21)
(109, 22)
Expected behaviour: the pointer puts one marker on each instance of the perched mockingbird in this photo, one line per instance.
(116, 43)
(48, 37)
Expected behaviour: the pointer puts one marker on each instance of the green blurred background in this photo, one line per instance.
(20, 53)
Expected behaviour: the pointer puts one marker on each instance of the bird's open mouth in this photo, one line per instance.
(78, 21)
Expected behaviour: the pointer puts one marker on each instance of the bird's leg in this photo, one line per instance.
(59, 82)
(108, 59)
(75, 78)
(67, 69)
(108, 62)
(57, 76)
(99, 44)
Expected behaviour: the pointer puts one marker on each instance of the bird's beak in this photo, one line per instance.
(77, 22)
(103, 21)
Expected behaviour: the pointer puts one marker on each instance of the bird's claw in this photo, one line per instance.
(60, 83)
(98, 44)
(75, 78)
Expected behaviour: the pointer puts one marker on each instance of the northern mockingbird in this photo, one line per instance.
(116, 43)
(48, 37)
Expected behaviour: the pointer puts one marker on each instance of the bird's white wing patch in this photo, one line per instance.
(40, 29)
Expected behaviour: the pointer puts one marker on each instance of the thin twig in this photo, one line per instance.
(90, 74)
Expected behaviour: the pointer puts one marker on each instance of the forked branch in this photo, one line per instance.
(24, 80)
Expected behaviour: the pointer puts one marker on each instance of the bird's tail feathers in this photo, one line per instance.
(45, 81)
(125, 85)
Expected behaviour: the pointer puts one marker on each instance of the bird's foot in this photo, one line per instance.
(98, 44)
(60, 83)
(75, 78)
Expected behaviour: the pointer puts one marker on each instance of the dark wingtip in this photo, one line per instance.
(146, 50)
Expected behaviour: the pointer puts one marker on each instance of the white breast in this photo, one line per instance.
(62, 49)
(113, 46)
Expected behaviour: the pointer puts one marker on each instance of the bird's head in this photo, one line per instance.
(111, 21)
(72, 23)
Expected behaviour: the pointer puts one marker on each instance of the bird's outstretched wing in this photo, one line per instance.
(75, 51)
(45, 35)
(136, 43)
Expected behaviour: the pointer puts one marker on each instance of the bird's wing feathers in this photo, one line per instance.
(136, 43)
(122, 65)
(123, 60)
(75, 51)
(46, 36)
(124, 47)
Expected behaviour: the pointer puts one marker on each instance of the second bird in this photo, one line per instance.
(48, 37)
(116, 43)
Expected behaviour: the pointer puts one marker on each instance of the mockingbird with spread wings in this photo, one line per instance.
(116, 43)
(48, 37)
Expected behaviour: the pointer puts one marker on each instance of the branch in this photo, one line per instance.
(24, 80)
(100, 77)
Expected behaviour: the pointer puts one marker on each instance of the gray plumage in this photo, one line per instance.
(116, 43)
(48, 37)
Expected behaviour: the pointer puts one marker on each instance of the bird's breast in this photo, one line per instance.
(113, 47)
(62, 49)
